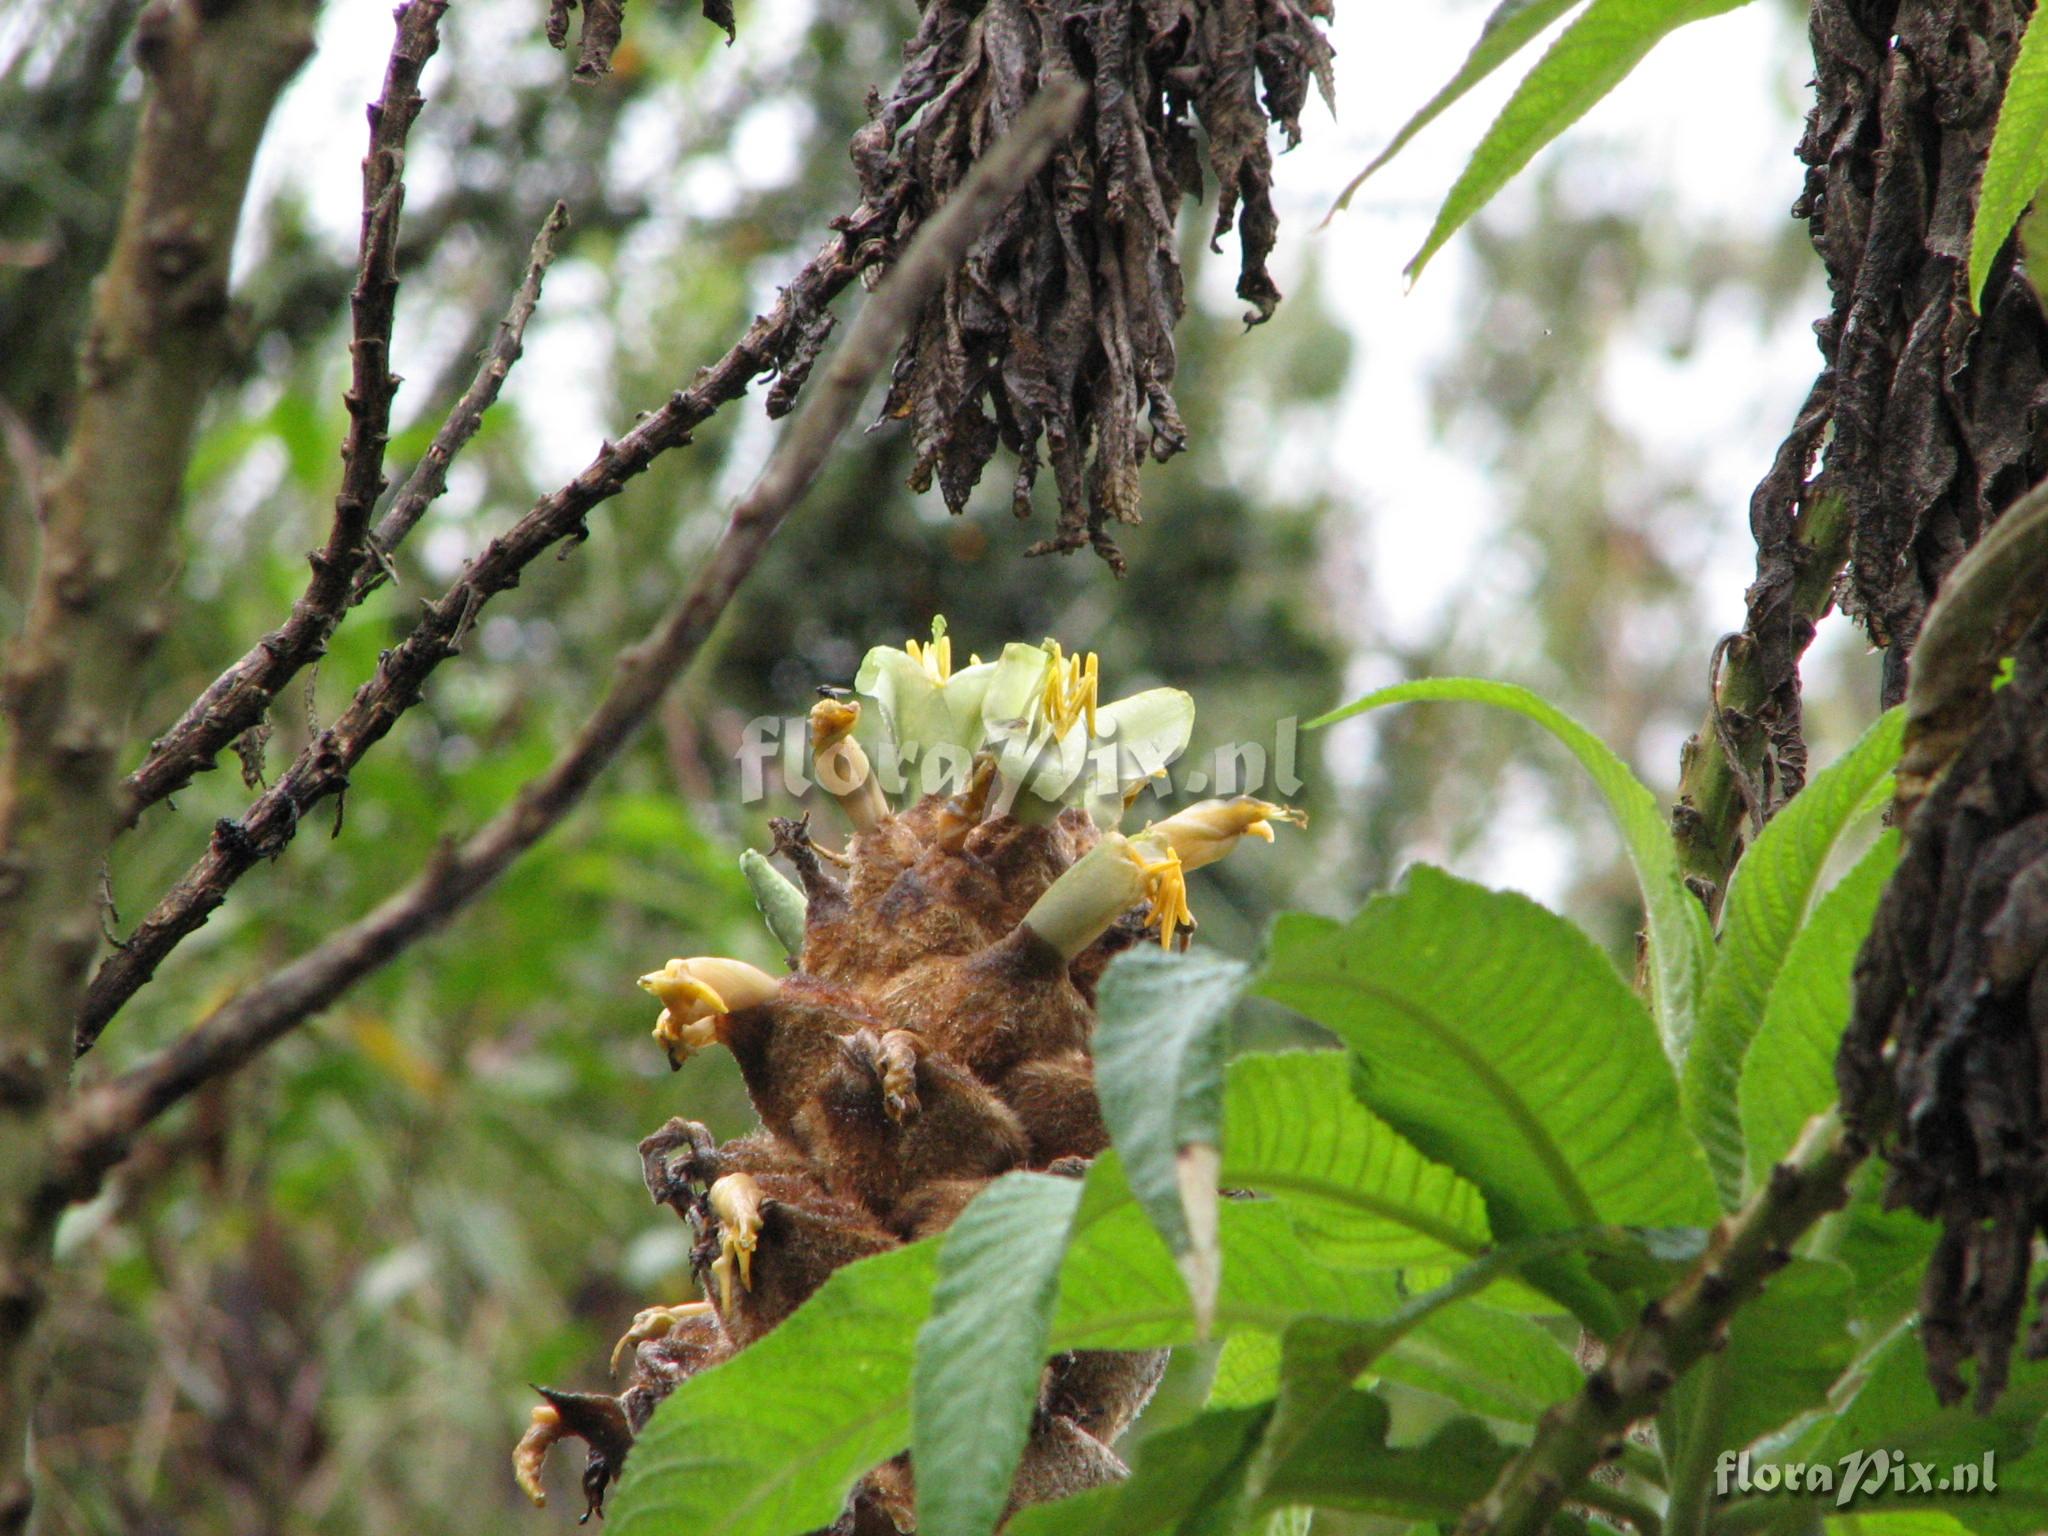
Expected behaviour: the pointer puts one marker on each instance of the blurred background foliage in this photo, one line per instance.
(312, 1302)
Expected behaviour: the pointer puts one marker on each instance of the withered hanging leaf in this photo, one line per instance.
(1058, 332)
(719, 14)
(1942, 1065)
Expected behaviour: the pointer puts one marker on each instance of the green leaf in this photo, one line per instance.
(768, 1443)
(1892, 1409)
(1159, 1046)
(1358, 1194)
(2018, 164)
(1321, 1357)
(1681, 941)
(1788, 1075)
(1785, 1350)
(1120, 1288)
(1768, 901)
(1497, 1038)
(1247, 1370)
(1184, 1479)
(980, 1357)
(1594, 54)
(1346, 1463)
(1508, 29)
(1486, 1360)
(1320, 1443)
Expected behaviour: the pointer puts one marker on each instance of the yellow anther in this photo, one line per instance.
(934, 655)
(1071, 687)
(1166, 887)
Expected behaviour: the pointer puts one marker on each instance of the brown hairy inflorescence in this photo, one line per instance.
(927, 1041)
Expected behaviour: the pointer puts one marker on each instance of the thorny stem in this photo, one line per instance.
(152, 351)
(102, 1122)
(236, 699)
(1675, 1333)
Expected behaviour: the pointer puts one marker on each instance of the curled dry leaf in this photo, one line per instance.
(1059, 328)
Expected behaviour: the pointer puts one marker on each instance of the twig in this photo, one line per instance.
(104, 1120)
(322, 767)
(430, 477)
(1746, 1250)
(236, 699)
(152, 351)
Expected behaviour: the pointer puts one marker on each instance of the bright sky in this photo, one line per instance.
(1707, 122)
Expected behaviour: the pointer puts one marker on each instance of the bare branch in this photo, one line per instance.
(321, 770)
(236, 699)
(152, 351)
(1746, 1250)
(105, 1119)
(430, 477)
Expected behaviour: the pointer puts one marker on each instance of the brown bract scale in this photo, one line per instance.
(927, 1042)
(1058, 332)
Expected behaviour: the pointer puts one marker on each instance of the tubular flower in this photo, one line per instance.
(696, 993)
(843, 767)
(1209, 829)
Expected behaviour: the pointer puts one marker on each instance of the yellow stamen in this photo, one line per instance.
(1166, 887)
(935, 656)
(1072, 684)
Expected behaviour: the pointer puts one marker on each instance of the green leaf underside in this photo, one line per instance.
(1768, 901)
(1510, 27)
(1494, 1036)
(2018, 163)
(1485, 1360)
(1784, 1351)
(1592, 56)
(1788, 1075)
(1160, 1036)
(1681, 941)
(980, 1356)
(1357, 1192)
